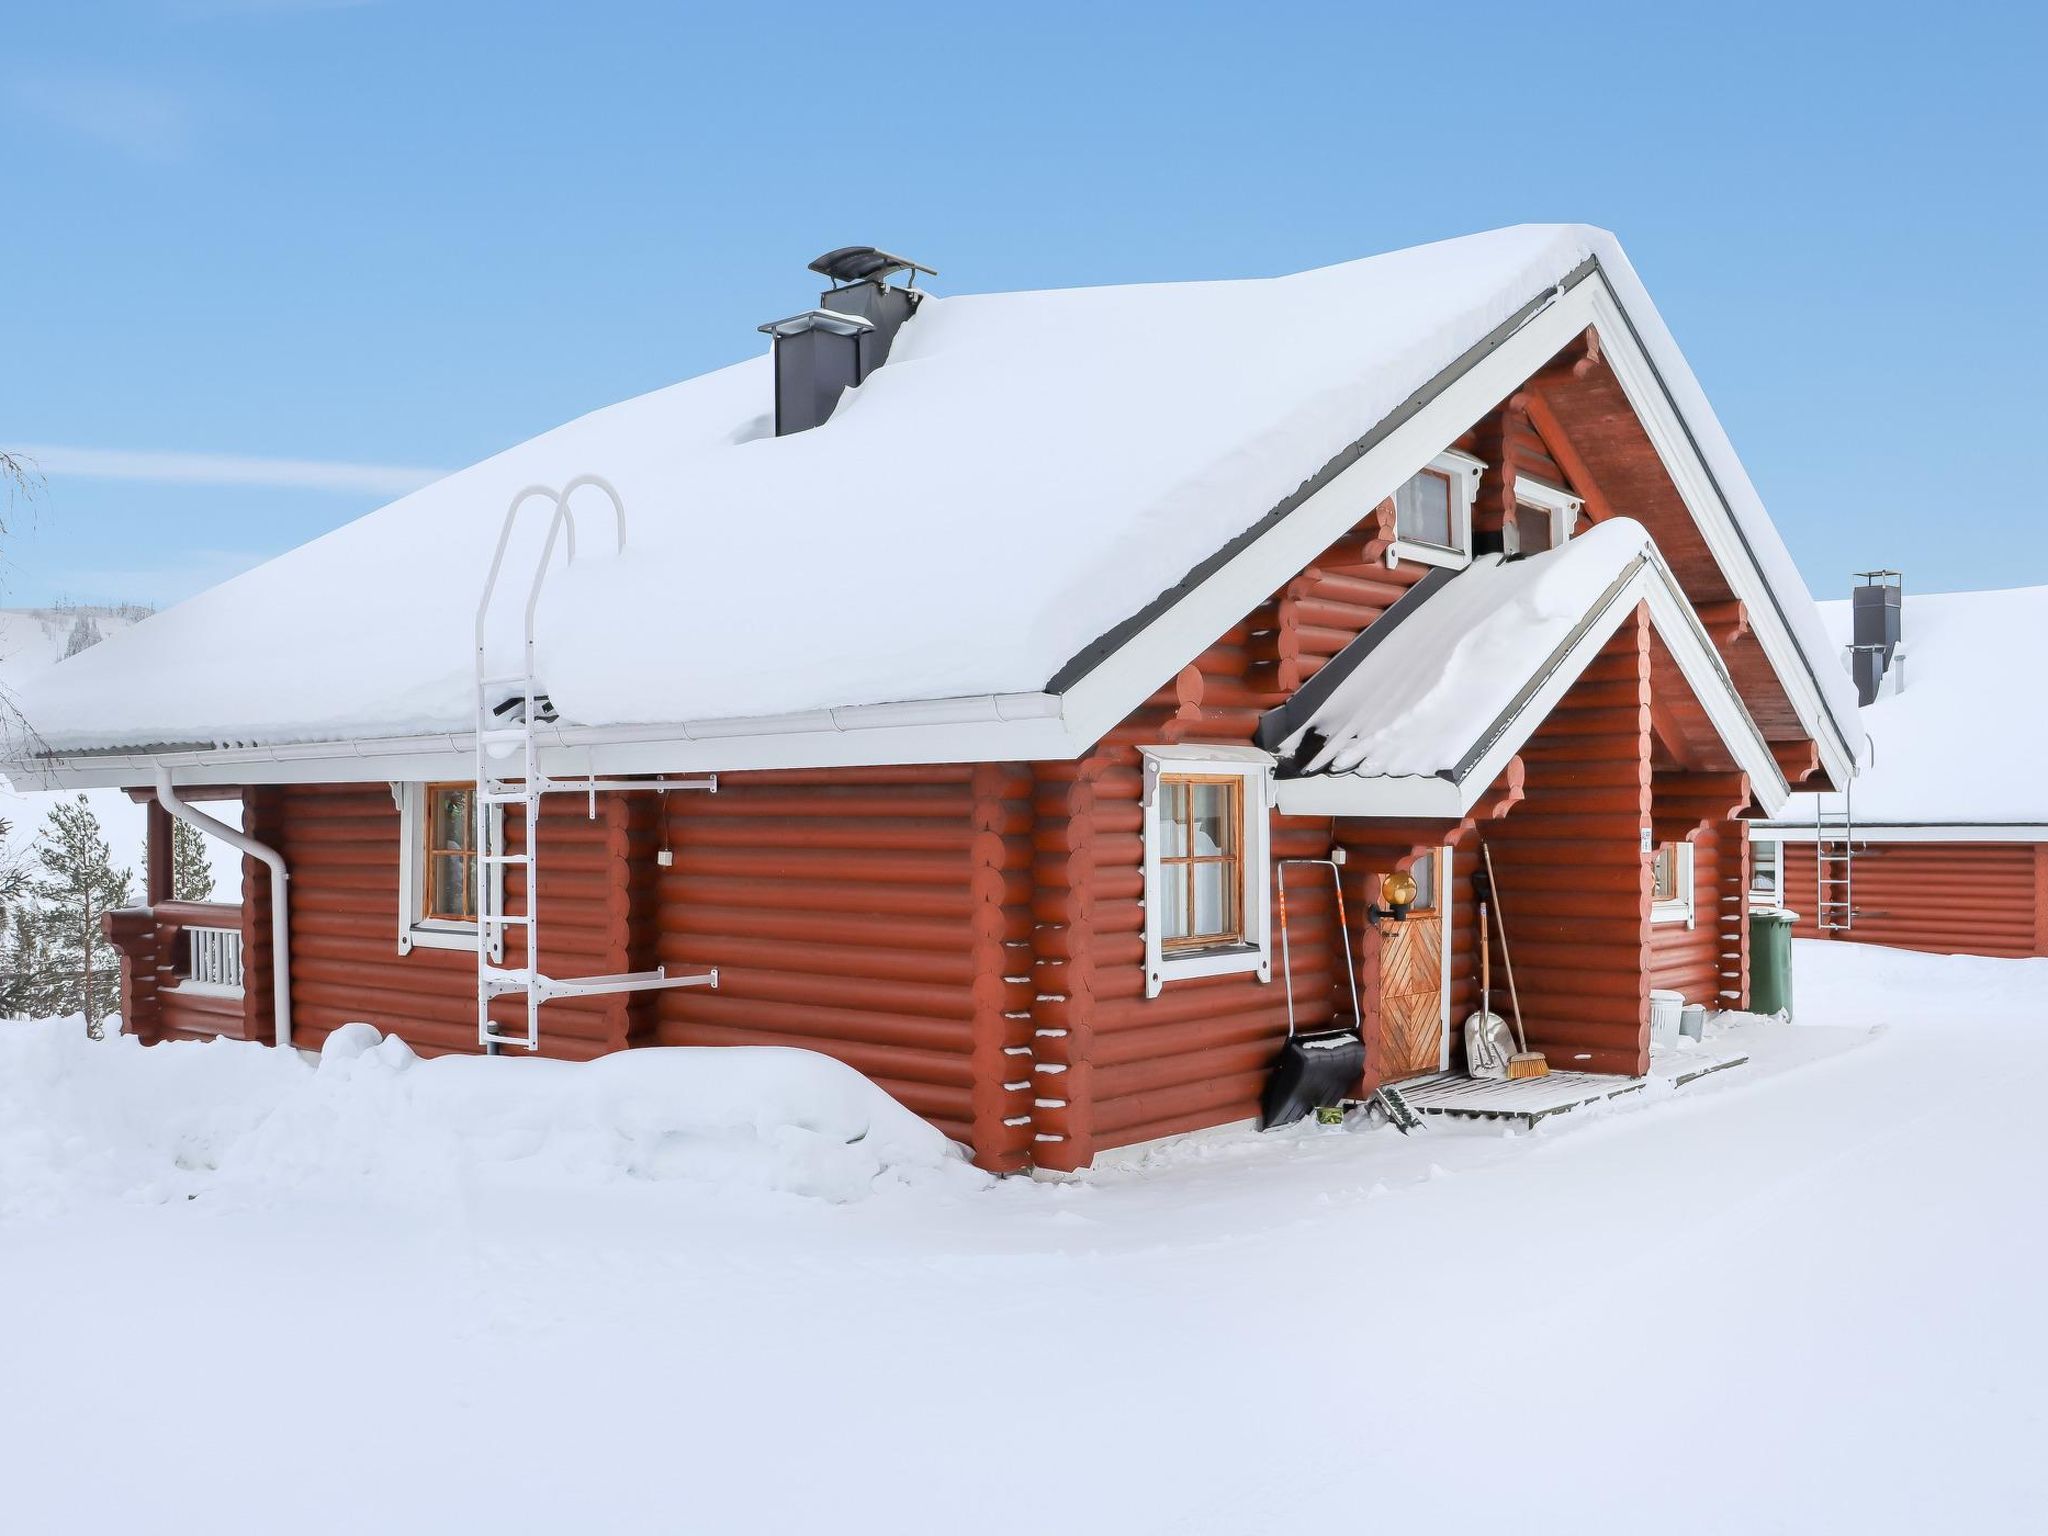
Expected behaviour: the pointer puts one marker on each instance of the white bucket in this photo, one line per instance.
(1666, 1009)
(1692, 1022)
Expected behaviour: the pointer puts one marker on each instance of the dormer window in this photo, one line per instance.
(1544, 517)
(1433, 511)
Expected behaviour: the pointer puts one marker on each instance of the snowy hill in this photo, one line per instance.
(31, 641)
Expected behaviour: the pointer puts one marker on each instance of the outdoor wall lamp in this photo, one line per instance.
(1397, 891)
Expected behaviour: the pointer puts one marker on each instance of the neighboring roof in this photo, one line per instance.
(1027, 473)
(1428, 705)
(1964, 740)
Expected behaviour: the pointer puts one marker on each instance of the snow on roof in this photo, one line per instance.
(1433, 689)
(1029, 470)
(1964, 739)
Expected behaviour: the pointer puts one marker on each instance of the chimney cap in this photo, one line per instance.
(865, 264)
(832, 320)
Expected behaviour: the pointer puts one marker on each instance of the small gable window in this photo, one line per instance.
(1544, 517)
(1433, 511)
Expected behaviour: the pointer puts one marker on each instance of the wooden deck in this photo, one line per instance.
(1531, 1099)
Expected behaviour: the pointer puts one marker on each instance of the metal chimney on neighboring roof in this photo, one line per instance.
(823, 352)
(1876, 610)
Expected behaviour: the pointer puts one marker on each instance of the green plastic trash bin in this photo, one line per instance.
(1770, 960)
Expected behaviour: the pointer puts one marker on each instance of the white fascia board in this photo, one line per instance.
(1420, 797)
(1435, 797)
(1715, 520)
(991, 728)
(1907, 832)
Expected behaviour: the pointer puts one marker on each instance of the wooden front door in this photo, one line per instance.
(1412, 977)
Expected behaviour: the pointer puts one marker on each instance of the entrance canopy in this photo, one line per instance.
(1419, 715)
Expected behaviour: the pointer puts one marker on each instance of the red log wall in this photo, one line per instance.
(881, 916)
(1943, 898)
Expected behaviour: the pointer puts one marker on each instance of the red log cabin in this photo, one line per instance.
(1941, 842)
(950, 689)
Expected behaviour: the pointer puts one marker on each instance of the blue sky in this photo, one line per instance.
(373, 238)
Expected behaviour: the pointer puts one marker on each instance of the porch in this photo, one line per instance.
(1531, 1099)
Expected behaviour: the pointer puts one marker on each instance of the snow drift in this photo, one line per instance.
(83, 1120)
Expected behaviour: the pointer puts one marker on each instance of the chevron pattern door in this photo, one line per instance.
(1412, 984)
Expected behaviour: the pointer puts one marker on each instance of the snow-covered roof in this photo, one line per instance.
(1428, 705)
(1028, 472)
(1963, 740)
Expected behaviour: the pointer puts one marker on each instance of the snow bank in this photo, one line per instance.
(83, 1120)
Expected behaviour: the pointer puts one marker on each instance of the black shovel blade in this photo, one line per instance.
(1314, 1071)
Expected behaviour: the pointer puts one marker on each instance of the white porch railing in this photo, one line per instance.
(216, 959)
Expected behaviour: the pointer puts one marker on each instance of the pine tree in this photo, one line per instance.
(75, 884)
(85, 634)
(30, 987)
(191, 869)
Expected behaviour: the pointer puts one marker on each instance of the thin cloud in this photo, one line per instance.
(227, 469)
(146, 122)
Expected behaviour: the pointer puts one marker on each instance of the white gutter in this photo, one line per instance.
(280, 910)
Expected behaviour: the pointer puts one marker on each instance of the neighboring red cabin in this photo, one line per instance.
(1543, 627)
(1943, 843)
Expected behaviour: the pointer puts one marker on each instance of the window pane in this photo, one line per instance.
(1532, 530)
(1664, 874)
(1422, 509)
(1763, 877)
(1216, 898)
(1424, 871)
(447, 895)
(1215, 825)
(1173, 902)
(1173, 818)
(451, 818)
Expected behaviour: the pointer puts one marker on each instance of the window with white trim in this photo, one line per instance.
(1433, 511)
(1543, 518)
(1208, 868)
(438, 867)
(1671, 884)
(1766, 872)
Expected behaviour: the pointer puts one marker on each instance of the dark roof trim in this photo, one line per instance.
(1276, 725)
(1102, 648)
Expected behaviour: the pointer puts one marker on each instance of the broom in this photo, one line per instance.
(1525, 1062)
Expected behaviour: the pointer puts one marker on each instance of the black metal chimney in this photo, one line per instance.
(823, 352)
(1876, 610)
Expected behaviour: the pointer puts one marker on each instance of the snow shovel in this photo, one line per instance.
(1525, 1062)
(1316, 1069)
(1488, 1045)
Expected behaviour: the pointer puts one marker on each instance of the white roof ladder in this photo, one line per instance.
(1834, 863)
(508, 710)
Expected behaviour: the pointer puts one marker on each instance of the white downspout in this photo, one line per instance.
(280, 911)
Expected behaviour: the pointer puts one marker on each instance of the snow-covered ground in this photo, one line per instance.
(242, 1294)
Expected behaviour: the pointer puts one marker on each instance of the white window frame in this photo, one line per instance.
(1757, 845)
(1463, 471)
(1564, 509)
(1255, 953)
(1681, 908)
(416, 931)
